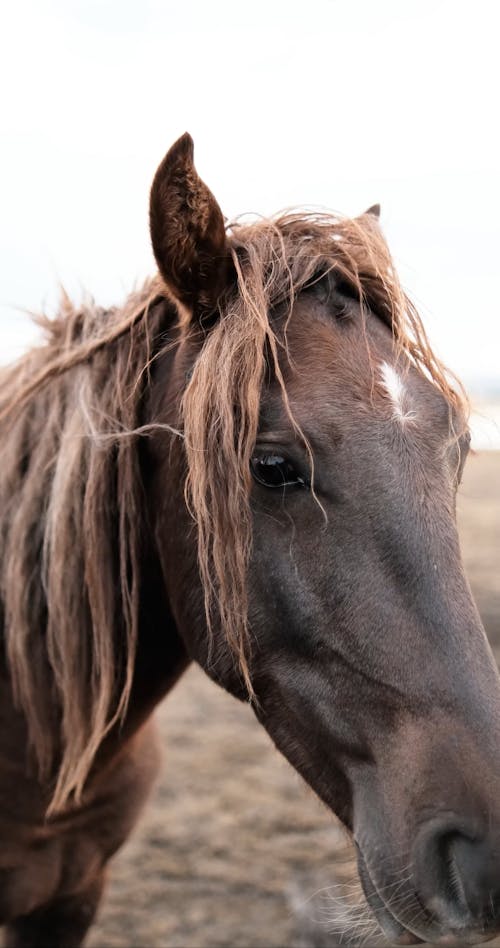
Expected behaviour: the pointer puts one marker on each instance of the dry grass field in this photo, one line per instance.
(234, 850)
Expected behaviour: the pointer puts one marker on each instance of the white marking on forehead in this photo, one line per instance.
(395, 390)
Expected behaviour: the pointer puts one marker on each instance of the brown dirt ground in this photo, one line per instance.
(233, 848)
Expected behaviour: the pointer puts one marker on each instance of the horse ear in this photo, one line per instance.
(188, 232)
(374, 210)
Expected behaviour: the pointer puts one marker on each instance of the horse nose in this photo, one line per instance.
(458, 874)
(475, 865)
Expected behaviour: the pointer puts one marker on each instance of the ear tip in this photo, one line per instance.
(182, 148)
(186, 142)
(374, 210)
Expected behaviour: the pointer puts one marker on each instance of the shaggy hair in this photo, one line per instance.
(71, 504)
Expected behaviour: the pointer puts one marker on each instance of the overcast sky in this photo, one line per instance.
(337, 103)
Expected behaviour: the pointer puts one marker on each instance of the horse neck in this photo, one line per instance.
(161, 655)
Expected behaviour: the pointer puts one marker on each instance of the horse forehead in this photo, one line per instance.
(397, 390)
(334, 358)
(339, 370)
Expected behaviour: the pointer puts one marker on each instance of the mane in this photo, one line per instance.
(71, 505)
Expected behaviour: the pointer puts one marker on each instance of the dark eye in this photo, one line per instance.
(273, 470)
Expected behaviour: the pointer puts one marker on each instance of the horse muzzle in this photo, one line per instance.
(450, 894)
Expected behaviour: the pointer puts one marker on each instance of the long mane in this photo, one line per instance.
(71, 503)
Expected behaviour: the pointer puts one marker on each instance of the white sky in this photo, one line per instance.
(338, 103)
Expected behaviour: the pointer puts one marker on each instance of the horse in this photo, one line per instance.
(252, 465)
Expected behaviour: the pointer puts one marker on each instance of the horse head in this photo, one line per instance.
(322, 446)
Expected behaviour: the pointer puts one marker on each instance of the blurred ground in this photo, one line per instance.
(233, 848)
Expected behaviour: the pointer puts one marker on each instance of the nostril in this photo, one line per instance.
(439, 864)
(452, 879)
(476, 866)
(458, 875)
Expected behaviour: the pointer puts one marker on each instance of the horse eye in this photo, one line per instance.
(347, 289)
(273, 470)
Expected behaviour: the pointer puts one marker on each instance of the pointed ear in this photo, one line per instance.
(187, 232)
(374, 210)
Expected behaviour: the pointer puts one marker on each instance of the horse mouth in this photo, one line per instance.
(430, 931)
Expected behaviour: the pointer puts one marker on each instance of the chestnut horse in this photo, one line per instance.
(252, 465)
